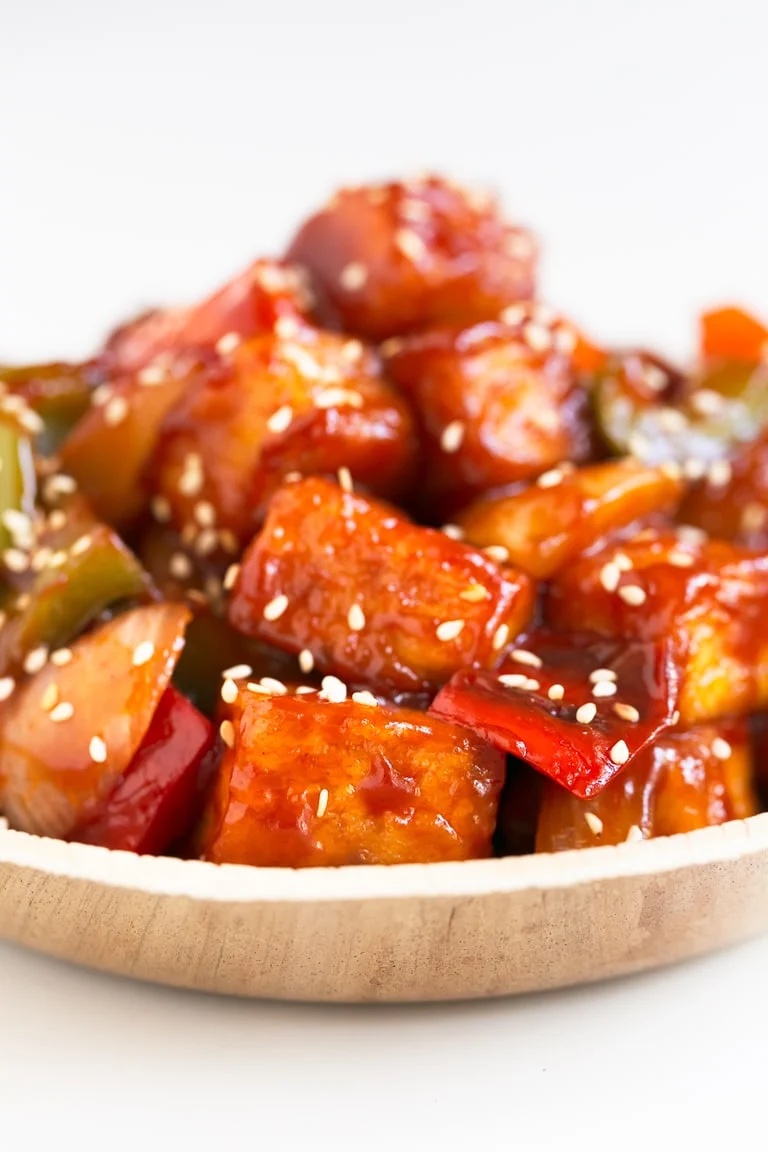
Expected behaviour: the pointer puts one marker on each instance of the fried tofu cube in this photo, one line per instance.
(710, 598)
(396, 257)
(683, 781)
(307, 782)
(567, 511)
(495, 404)
(375, 598)
(306, 401)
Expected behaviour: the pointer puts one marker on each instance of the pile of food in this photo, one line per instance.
(372, 557)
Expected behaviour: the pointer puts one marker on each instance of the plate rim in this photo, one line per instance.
(197, 880)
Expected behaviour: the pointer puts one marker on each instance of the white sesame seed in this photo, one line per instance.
(622, 562)
(550, 479)
(565, 340)
(180, 566)
(500, 637)
(302, 690)
(679, 559)
(36, 660)
(474, 594)
(230, 576)
(720, 473)
(345, 479)
(275, 608)
(143, 653)
(707, 402)
(513, 679)
(50, 696)
(57, 520)
(338, 398)
(586, 713)
(721, 748)
(59, 485)
(601, 674)
(452, 531)
(204, 513)
(632, 594)
(452, 436)
(61, 656)
(619, 754)
(671, 420)
(227, 343)
(513, 315)
(626, 712)
(537, 337)
(356, 618)
(228, 541)
(351, 351)
(689, 534)
(654, 378)
(671, 469)
(15, 560)
(366, 698)
(161, 509)
(306, 661)
(18, 524)
(594, 823)
(280, 420)
(115, 411)
(610, 575)
(206, 542)
(63, 711)
(694, 469)
(333, 689)
(191, 479)
(154, 374)
(227, 733)
(523, 656)
(238, 672)
(556, 691)
(353, 276)
(603, 689)
(497, 552)
(229, 692)
(322, 803)
(410, 245)
(30, 421)
(449, 629)
(7, 685)
(81, 545)
(101, 395)
(273, 685)
(634, 834)
(97, 750)
(754, 517)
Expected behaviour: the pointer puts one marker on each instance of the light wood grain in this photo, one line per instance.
(427, 932)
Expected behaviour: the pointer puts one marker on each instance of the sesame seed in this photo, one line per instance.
(671, 420)
(338, 398)
(227, 733)
(59, 485)
(292, 477)
(619, 754)
(500, 637)
(206, 542)
(674, 719)
(537, 337)
(622, 562)
(654, 378)
(639, 445)
(30, 421)
(322, 803)
(57, 520)
(452, 436)
(228, 541)
(238, 672)
(449, 629)
(497, 552)
(707, 402)
(671, 469)
(180, 566)
(720, 473)
(81, 545)
(97, 750)
(227, 343)
(7, 685)
(754, 517)
(353, 276)
(36, 660)
(550, 479)
(230, 576)
(18, 524)
(603, 689)
(513, 315)
(41, 558)
(161, 509)
(204, 513)
(303, 690)
(115, 411)
(62, 711)
(689, 534)
(154, 374)
(273, 685)
(600, 674)
(333, 689)
(50, 697)
(61, 656)
(626, 712)
(229, 692)
(101, 395)
(586, 713)
(306, 661)
(351, 351)
(275, 608)
(191, 478)
(366, 698)
(452, 531)
(635, 833)
(632, 594)
(143, 653)
(474, 594)
(523, 656)
(410, 245)
(679, 559)
(610, 574)
(565, 341)
(356, 618)
(513, 679)
(345, 479)
(594, 823)
(15, 560)
(721, 748)
(281, 419)
(694, 469)
(556, 691)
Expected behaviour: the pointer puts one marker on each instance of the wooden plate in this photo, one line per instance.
(411, 932)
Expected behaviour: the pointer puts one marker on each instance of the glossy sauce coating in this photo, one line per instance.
(312, 783)
(375, 598)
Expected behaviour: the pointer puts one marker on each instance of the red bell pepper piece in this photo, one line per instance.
(157, 800)
(549, 704)
(733, 334)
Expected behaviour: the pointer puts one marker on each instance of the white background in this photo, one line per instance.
(149, 149)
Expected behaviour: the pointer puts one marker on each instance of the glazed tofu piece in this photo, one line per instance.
(496, 404)
(300, 400)
(685, 780)
(708, 597)
(732, 501)
(374, 598)
(567, 511)
(309, 782)
(391, 258)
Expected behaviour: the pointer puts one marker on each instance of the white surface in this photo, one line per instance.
(149, 149)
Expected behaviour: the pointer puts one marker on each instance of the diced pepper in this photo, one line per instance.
(708, 597)
(549, 523)
(684, 780)
(733, 334)
(158, 799)
(548, 704)
(370, 785)
(375, 598)
(69, 733)
(17, 477)
(398, 257)
(59, 393)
